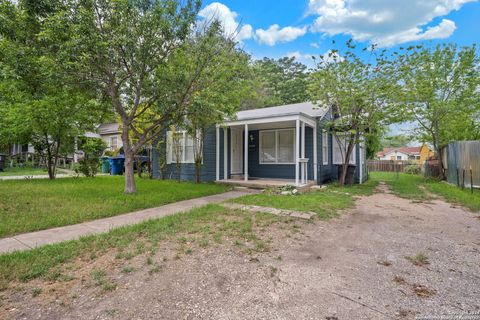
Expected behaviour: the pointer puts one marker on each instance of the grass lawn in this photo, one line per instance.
(325, 203)
(30, 205)
(197, 228)
(414, 187)
(26, 171)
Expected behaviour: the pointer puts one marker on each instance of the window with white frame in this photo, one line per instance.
(113, 142)
(277, 146)
(325, 147)
(340, 149)
(181, 145)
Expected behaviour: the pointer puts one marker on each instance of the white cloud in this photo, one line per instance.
(384, 22)
(274, 34)
(314, 45)
(228, 18)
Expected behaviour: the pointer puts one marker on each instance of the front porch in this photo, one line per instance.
(270, 151)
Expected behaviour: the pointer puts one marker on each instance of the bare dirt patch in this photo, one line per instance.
(341, 269)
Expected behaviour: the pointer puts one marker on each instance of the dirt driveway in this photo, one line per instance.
(353, 267)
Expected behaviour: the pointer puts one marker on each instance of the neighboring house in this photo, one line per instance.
(418, 154)
(285, 142)
(111, 134)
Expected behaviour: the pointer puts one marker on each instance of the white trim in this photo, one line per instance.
(307, 120)
(297, 147)
(245, 163)
(325, 146)
(276, 146)
(170, 154)
(231, 151)
(225, 153)
(217, 154)
(315, 156)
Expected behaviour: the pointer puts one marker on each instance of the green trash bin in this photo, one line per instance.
(105, 164)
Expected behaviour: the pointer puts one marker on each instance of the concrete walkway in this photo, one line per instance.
(39, 238)
(31, 177)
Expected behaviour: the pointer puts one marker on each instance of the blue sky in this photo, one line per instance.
(306, 27)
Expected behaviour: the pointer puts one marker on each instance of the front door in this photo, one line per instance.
(237, 151)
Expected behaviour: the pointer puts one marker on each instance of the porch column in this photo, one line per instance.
(315, 160)
(297, 150)
(245, 173)
(217, 153)
(303, 167)
(225, 153)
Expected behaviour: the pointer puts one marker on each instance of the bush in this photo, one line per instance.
(412, 169)
(93, 149)
(88, 167)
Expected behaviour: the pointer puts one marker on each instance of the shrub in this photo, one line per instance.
(412, 169)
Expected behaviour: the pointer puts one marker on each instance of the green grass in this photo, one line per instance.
(25, 171)
(325, 203)
(456, 195)
(414, 187)
(41, 204)
(212, 222)
(403, 185)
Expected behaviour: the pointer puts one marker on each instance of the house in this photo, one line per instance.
(417, 154)
(287, 144)
(111, 134)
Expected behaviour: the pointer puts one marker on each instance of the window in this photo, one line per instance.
(325, 147)
(113, 142)
(399, 157)
(182, 147)
(277, 146)
(339, 150)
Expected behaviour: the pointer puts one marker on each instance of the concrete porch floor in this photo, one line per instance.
(262, 183)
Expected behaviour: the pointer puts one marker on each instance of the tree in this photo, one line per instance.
(131, 51)
(39, 104)
(396, 141)
(356, 91)
(123, 48)
(219, 90)
(439, 89)
(278, 82)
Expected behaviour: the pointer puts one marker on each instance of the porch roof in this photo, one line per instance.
(306, 111)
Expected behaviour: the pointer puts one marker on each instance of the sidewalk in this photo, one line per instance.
(39, 238)
(39, 176)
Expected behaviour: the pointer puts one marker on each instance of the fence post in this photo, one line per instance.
(471, 179)
(458, 177)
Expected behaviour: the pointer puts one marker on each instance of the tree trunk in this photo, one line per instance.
(198, 171)
(130, 186)
(346, 160)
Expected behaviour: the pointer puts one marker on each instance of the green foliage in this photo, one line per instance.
(39, 104)
(438, 88)
(396, 141)
(93, 148)
(357, 89)
(412, 169)
(277, 82)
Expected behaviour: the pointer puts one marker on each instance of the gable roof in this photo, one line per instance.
(109, 128)
(306, 108)
(406, 150)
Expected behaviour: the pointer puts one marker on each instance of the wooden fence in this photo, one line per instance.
(389, 165)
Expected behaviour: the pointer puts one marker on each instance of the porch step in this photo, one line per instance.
(236, 177)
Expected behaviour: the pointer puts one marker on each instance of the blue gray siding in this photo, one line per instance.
(187, 171)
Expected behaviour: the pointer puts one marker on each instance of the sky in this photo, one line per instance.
(302, 28)
(306, 28)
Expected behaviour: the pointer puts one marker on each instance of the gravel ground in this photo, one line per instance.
(353, 267)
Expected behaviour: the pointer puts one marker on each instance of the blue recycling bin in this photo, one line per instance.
(116, 166)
